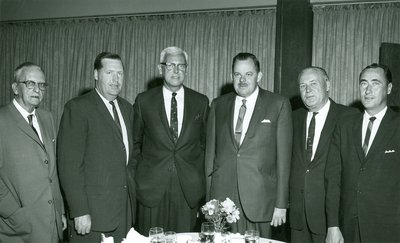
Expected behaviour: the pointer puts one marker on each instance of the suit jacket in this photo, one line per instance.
(30, 198)
(92, 160)
(155, 152)
(307, 191)
(365, 188)
(261, 164)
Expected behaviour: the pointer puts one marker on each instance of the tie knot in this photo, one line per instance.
(244, 102)
(173, 94)
(112, 103)
(30, 117)
(372, 118)
(314, 114)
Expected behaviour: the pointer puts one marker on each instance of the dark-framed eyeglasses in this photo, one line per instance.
(171, 66)
(31, 84)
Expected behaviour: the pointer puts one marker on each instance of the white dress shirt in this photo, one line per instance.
(250, 104)
(25, 115)
(180, 97)
(375, 126)
(320, 119)
(121, 120)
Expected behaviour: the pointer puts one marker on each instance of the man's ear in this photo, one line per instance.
(96, 74)
(259, 76)
(389, 88)
(160, 69)
(14, 88)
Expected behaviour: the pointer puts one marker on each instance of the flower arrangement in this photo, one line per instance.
(220, 213)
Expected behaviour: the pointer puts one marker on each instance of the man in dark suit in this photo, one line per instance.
(31, 205)
(249, 145)
(362, 171)
(169, 143)
(312, 132)
(94, 152)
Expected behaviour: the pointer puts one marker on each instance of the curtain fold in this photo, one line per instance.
(346, 38)
(66, 50)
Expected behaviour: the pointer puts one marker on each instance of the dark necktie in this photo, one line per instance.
(30, 119)
(116, 118)
(239, 123)
(310, 137)
(368, 134)
(174, 118)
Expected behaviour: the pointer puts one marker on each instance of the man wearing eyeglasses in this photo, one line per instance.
(31, 205)
(169, 141)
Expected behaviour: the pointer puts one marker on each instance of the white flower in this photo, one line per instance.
(228, 205)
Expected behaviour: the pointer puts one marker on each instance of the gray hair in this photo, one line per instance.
(172, 50)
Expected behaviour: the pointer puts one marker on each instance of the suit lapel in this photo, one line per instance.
(258, 114)
(187, 113)
(102, 109)
(23, 125)
(230, 117)
(357, 135)
(382, 136)
(326, 132)
(128, 123)
(159, 102)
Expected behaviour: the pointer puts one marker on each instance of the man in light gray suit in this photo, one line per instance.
(31, 206)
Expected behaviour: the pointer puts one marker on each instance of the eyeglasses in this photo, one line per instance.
(171, 66)
(31, 84)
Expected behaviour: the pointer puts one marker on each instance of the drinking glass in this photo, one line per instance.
(156, 235)
(207, 231)
(170, 237)
(251, 236)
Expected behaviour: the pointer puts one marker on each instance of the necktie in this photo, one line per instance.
(310, 137)
(116, 118)
(173, 125)
(239, 123)
(30, 119)
(368, 135)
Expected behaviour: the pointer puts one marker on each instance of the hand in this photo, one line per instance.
(279, 217)
(83, 224)
(334, 235)
(64, 222)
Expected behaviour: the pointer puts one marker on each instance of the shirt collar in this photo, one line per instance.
(251, 98)
(324, 110)
(378, 116)
(169, 92)
(107, 102)
(21, 110)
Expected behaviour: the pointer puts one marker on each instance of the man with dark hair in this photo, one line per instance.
(94, 154)
(313, 126)
(31, 205)
(363, 167)
(169, 143)
(249, 145)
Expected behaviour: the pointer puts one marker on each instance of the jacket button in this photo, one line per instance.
(307, 171)
(50, 201)
(51, 181)
(46, 161)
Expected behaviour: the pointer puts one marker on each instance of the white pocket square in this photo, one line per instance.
(389, 151)
(266, 121)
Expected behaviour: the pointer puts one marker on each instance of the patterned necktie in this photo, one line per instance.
(239, 123)
(116, 117)
(368, 135)
(30, 119)
(310, 137)
(174, 118)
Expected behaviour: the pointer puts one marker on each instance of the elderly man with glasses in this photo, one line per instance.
(31, 205)
(169, 142)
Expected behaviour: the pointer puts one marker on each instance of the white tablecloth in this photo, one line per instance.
(235, 238)
(134, 237)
